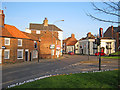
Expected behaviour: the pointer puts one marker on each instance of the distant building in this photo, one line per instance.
(50, 35)
(114, 33)
(87, 45)
(16, 46)
(70, 44)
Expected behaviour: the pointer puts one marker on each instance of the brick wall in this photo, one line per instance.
(13, 47)
(46, 41)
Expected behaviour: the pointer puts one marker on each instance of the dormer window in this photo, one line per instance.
(7, 41)
(19, 42)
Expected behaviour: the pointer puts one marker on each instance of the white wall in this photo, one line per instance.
(70, 48)
(27, 30)
(60, 36)
(84, 44)
(77, 48)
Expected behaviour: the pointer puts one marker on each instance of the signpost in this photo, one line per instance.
(52, 46)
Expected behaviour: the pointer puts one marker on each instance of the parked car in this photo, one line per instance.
(71, 53)
(97, 53)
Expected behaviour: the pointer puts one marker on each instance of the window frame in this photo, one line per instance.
(21, 42)
(8, 42)
(17, 53)
(8, 50)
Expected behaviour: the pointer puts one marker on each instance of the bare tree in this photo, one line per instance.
(110, 8)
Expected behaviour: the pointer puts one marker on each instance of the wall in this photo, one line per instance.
(13, 47)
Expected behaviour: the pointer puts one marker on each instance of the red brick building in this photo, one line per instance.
(15, 45)
(114, 33)
(69, 42)
(49, 35)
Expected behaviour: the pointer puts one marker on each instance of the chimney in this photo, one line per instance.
(112, 31)
(89, 34)
(73, 35)
(2, 16)
(45, 22)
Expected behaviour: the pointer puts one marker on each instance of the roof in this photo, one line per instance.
(65, 40)
(31, 36)
(116, 29)
(91, 37)
(42, 27)
(72, 43)
(12, 31)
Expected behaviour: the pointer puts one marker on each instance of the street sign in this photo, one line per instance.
(58, 47)
(52, 46)
(3, 47)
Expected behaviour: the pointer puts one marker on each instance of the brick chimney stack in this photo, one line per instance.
(2, 16)
(73, 35)
(89, 34)
(112, 31)
(45, 22)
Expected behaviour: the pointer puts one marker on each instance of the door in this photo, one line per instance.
(0, 56)
(30, 56)
(26, 55)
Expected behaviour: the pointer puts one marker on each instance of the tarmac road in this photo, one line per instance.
(15, 73)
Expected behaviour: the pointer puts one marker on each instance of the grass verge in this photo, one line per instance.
(111, 57)
(107, 79)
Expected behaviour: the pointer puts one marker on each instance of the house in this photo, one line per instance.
(70, 44)
(50, 36)
(87, 45)
(114, 32)
(15, 45)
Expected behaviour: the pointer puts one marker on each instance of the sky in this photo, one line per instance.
(20, 14)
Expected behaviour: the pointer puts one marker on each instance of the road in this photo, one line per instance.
(16, 73)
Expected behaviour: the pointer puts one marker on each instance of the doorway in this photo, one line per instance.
(30, 56)
(26, 55)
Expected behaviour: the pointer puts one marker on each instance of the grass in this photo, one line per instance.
(111, 57)
(107, 79)
(116, 53)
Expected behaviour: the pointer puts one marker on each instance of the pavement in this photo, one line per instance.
(15, 73)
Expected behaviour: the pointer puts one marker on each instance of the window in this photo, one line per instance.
(35, 54)
(7, 41)
(20, 54)
(37, 31)
(19, 42)
(6, 54)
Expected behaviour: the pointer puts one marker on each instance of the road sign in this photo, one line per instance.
(3, 47)
(52, 46)
(58, 47)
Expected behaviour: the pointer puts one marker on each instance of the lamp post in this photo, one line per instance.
(39, 48)
(52, 52)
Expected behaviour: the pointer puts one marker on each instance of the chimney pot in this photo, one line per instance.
(73, 35)
(45, 22)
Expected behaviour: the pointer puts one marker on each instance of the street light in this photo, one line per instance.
(52, 52)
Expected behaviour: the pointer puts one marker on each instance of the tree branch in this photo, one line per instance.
(104, 11)
(113, 7)
(99, 19)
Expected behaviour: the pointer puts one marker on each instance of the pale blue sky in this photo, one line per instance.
(20, 14)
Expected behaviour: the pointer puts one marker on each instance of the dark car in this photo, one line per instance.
(71, 53)
(97, 54)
